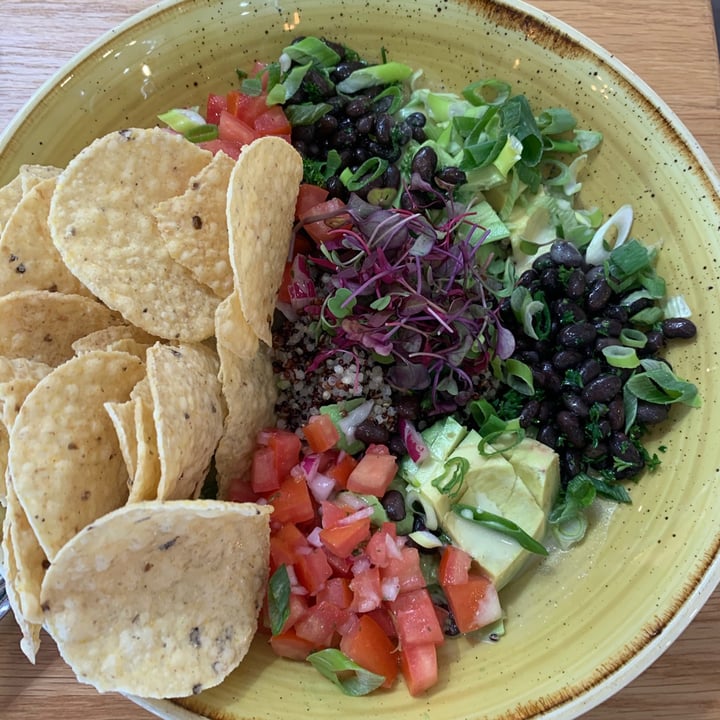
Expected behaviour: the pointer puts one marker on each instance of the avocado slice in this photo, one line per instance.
(538, 466)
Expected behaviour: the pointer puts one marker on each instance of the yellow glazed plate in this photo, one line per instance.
(588, 621)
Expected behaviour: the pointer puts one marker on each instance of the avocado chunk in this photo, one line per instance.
(493, 485)
(538, 466)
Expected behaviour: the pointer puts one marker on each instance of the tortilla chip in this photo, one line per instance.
(194, 227)
(64, 458)
(10, 196)
(249, 390)
(28, 258)
(232, 329)
(30, 641)
(122, 416)
(260, 211)
(101, 222)
(188, 414)
(115, 337)
(42, 326)
(31, 175)
(147, 472)
(160, 599)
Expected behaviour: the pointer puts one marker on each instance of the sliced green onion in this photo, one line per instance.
(587, 139)
(351, 678)
(252, 87)
(312, 50)
(279, 599)
(202, 133)
(555, 121)
(500, 524)
(519, 376)
(677, 307)
(598, 251)
(426, 539)
(501, 441)
(397, 96)
(182, 119)
(620, 356)
(283, 91)
(648, 316)
(629, 258)
(385, 74)
(659, 384)
(487, 92)
(450, 483)
(370, 170)
(633, 338)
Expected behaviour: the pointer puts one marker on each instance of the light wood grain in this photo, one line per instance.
(670, 44)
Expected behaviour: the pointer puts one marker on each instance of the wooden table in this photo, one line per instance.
(670, 44)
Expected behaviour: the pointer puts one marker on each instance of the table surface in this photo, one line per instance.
(670, 45)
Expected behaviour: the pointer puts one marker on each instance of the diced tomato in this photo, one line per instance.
(341, 469)
(321, 433)
(285, 543)
(341, 540)
(382, 545)
(263, 475)
(313, 570)
(336, 591)
(383, 618)
(229, 147)
(454, 566)
(258, 68)
(292, 502)
(240, 490)
(322, 230)
(308, 197)
(286, 445)
(331, 513)
(235, 130)
(289, 645)
(406, 569)
(419, 667)
(342, 566)
(371, 648)
(320, 623)
(374, 473)
(417, 623)
(297, 606)
(272, 122)
(247, 108)
(215, 105)
(474, 604)
(367, 591)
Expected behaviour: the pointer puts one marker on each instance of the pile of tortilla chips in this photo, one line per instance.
(136, 291)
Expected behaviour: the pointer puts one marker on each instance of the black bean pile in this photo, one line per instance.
(578, 407)
(359, 126)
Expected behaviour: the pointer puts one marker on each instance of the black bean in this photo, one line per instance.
(624, 451)
(450, 177)
(655, 343)
(529, 357)
(575, 286)
(619, 312)
(577, 335)
(336, 47)
(345, 137)
(548, 435)
(543, 262)
(651, 413)
(317, 86)
(546, 411)
(336, 188)
(365, 124)
(416, 119)
(383, 129)
(589, 370)
(418, 134)
(403, 133)
(424, 163)
(548, 376)
(528, 279)
(565, 359)
(529, 413)
(358, 106)
(609, 327)
(602, 389)
(303, 133)
(571, 461)
(596, 451)
(392, 177)
(371, 432)
(678, 328)
(326, 125)
(604, 342)
(616, 413)
(636, 306)
(391, 153)
(563, 252)
(575, 404)
(567, 311)
(594, 274)
(396, 446)
(394, 505)
(383, 104)
(343, 70)
(599, 294)
(551, 283)
(569, 425)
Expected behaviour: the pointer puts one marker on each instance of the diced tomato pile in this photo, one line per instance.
(354, 585)
(242, 118)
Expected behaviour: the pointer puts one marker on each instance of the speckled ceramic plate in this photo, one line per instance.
(588, 621)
